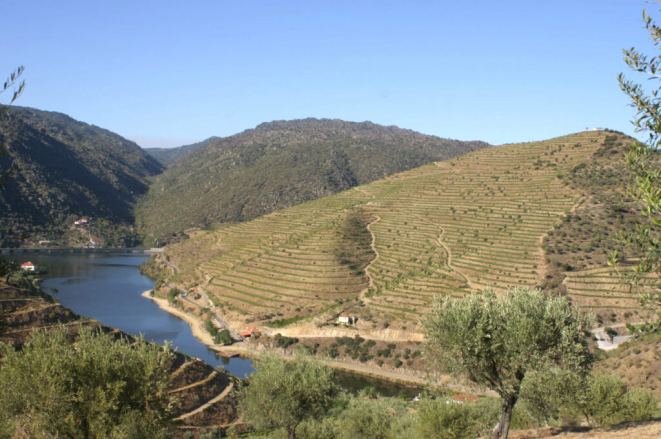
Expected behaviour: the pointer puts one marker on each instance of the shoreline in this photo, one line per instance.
(201, 334)
(195, 324)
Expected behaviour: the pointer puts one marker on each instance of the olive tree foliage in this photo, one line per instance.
(12, 81)
(642, 160)
(497, 341)
(96, 387)
(281, 394)
(606, 400)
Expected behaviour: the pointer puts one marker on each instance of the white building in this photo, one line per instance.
(347, 319)
(96, 242)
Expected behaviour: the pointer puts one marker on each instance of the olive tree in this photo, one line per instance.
(495, 341)
(95, 387)
(642, 159)
(284, 393)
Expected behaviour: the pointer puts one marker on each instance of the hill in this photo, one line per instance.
(68, 169)
(166, 156)
(278, 165)
(381, 251)
(202, 393)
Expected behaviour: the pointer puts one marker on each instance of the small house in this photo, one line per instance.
(27, 266)
(245, 334)
(96, 242)
(347, 319)
(80, 222)
(44, 242)
(253, 330)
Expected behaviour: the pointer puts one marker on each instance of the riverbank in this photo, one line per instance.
(197, 327)
(196, 324)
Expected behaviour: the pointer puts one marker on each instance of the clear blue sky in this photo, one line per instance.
(166, 73)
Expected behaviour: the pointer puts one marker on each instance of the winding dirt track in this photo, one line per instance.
(376, 253)
(222, 395)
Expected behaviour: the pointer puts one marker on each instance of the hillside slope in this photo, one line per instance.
(166, 156)
(278, 165)
(192, 382)
(382, 251)
(66, 170)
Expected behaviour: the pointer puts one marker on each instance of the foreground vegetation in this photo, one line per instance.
(527, 346)
(95, 388)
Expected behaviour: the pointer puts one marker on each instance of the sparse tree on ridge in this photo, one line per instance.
(284, 393)
(496, 341)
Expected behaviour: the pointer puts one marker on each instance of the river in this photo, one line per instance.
(109, 287)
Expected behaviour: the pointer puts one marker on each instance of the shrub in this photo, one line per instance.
(223, 337)
(284, 342)
(172, 294)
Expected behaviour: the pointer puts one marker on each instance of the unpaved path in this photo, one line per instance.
(180, 369)
(376, 253)
(196, 384)
(446, 248)
(222, 395)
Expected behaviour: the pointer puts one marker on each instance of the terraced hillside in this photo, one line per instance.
(203, 396)
(382, 251)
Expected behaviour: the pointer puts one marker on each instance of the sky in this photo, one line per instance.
(167, 73)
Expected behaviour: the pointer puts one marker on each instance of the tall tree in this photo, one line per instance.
(284, 393)
(496, 341)
(643, 160)
(97, 387)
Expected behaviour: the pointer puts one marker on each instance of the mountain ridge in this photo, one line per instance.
(167, 156)
(69, 169)
(280, 164)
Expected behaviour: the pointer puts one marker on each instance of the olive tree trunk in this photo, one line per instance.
(503, 427)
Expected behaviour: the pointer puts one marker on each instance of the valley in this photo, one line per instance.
(381, 251)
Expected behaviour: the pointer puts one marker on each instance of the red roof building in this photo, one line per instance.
(96, 242)
(27, 266)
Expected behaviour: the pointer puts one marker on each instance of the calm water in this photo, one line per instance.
(109, 287)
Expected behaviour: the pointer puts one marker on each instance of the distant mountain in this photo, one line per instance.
(68, 169)
(278, 165)
(167, 156)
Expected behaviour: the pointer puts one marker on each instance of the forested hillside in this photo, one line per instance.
(68, 169)
(278, 165)
(166, 156)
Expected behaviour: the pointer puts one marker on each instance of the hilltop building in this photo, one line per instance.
(27, 266)
(80, 222)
